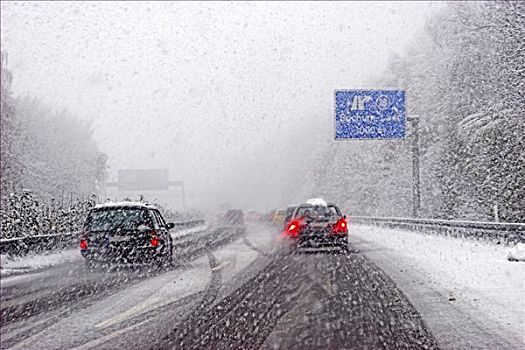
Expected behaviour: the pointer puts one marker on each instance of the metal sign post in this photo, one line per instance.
(416, 198)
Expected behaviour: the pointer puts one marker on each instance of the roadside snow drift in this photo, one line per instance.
(517, 253)
(33, 262)
(475, 277)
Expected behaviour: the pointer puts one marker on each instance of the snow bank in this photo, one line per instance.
(476, 276)
(10, 265)
(517, 253)
(189, 231)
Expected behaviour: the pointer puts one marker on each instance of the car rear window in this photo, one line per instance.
(113, 218)
(318, 211)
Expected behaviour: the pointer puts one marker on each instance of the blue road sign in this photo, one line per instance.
(370, 114)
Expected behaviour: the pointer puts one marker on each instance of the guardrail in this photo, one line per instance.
(40, 243)
(496, 232)
(190, 223)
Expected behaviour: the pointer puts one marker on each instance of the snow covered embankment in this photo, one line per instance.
(517, 253)
(13, 265)
(176, 233)
(459, 285)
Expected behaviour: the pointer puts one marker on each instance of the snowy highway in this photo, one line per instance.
(244, 292)
(262, 175)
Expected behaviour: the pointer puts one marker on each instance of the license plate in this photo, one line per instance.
(115, 239)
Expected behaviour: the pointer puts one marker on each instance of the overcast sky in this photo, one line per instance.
(216, 92)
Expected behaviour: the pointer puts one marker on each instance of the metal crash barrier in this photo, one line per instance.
(496, 232)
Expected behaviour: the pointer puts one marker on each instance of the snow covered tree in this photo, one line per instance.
(47, 159)
(10, 165)
(464, 75)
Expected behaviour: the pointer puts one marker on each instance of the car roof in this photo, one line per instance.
(317, 201)
(313, 205)
(124, 205)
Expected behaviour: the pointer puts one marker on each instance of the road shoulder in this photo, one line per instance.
(453, 319)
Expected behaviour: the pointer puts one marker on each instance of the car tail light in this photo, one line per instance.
(154, 240)
(293, 229)
(341, 226)
(83, 244)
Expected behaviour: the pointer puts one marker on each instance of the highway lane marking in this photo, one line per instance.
(249, 244)
(154, 302)
(108, 337)
(30, 329)
(221, 266)
(323, 281)
(95, 342)
(8, 281)
(149, 304)
(327, 286)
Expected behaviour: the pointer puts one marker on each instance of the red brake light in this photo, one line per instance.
(293, 228)
(154, 241)
(83, 244)
(341, 226)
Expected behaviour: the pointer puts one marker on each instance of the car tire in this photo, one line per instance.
(164, 261)
(170, 253)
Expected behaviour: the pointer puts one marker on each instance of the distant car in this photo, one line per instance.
(253, 216)
(278, 217)
(317, 224)
(232, 217)
(126, 233)
(269, 216)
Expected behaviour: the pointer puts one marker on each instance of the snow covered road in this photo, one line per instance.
(468, 293)
(66, 305)
(394, 289)
(34, 262)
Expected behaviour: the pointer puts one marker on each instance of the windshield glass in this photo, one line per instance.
(111, 219)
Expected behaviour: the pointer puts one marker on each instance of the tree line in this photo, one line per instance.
(50, 154)
(464, 77)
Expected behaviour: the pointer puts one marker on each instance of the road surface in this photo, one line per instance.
(237, 290)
